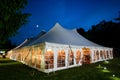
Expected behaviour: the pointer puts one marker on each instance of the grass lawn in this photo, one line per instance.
(12, 70)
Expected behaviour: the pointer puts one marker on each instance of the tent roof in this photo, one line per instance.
(28, 41)
(60, 35)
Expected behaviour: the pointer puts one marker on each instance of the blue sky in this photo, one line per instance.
(69, 13)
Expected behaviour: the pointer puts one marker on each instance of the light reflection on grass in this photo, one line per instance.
(107, 71)
(114, 78)
(106, 62)
(99, 66)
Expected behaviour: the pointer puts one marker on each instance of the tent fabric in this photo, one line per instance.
(26, 42)
(62, 36)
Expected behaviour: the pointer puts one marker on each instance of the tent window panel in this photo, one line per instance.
(27, 57)
(94, 56)
(78, 56)
(49, 59)
(101, 55)
(107, 54)
(38, 58)
(33, 57)
(24, 54)
(61, 58)
(14, 55)
(19, 56)
(71, 58)
(111, 54)
(86, 55)
(97, 55)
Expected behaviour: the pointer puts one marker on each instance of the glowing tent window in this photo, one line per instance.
(94, 56)
(78, 56)
(14, 54)
(38, 58)
(86, 55)
(23, 53)
(71, 58)
(107, 54)
(104, 55)
(49, 59)
(111, 54)
(101, 55)
(19, 56)
(97, 55)
(33, 57)
(61, 58)
(28, 56)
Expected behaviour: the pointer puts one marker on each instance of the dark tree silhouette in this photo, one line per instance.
(11, 18)
(81, 31)
(118, 19)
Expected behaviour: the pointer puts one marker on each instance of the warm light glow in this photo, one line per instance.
(78, 56)
(33, 56)
(49, 50)
(38, 58)
(49, 59)
(86, 55)
(71, 57)
(86, 51)
(61, 58)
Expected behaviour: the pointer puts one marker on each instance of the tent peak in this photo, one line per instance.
(57, 25)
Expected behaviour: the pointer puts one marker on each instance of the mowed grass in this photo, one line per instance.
(13, 70)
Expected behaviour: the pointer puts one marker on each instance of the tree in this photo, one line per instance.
(11, 18)
(118, 19)
(81, 31)
(105, 33)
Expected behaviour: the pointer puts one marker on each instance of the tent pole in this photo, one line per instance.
(73, 53)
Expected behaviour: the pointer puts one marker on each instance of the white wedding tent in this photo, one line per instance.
(58, 49)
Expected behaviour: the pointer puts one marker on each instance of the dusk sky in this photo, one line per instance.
(68, 13)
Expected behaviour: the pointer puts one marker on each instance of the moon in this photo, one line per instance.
(37, 26)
